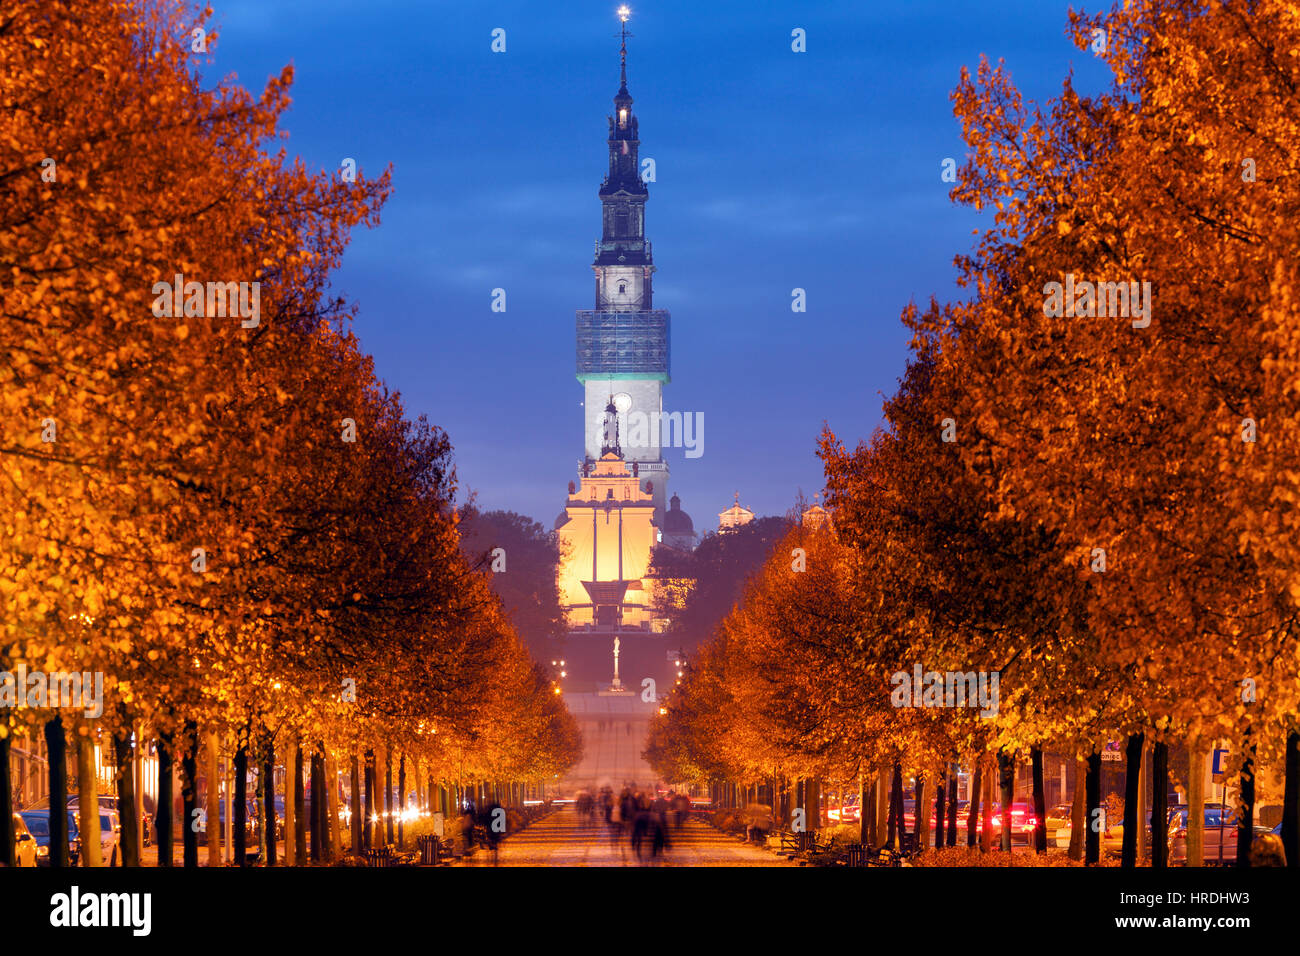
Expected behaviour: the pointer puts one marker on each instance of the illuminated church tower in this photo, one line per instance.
(615, 514)
(623, 342)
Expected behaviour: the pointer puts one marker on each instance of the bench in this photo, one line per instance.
(432, 850)
(802, 842)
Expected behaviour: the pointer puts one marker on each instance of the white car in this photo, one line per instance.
(110, 833)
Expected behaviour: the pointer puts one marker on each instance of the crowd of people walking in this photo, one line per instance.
(635, 819)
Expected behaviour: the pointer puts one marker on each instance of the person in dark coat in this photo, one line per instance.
(658, 836)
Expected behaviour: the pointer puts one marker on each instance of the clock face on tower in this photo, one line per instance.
(623, 401)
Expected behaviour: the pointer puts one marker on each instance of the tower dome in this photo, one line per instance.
(675, 519)
(678, 530)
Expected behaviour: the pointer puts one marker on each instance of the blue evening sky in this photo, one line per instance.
(775, 170)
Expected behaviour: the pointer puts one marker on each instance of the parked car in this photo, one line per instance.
(1057, 817)
(1112, 838)
(252, 828)
(110, 835)
(1023, 822)
(1219, 836)
(38, 824)
(849, 813)
(24, 843)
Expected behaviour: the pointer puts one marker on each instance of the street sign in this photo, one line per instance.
(1220, 765)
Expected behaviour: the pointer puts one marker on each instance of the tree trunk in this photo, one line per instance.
(356, 824)
(952, 804)
(1079, 811)
(290, 804)
(1291, 801)
(1040, 800)
(882, 808)
(87, 802)
(1160, 805)
(976, 791)
(368, 823)
(388, 795)
(940, 807)
(137, 771)
(56, 750)
(333, 837)
(1246, 819)
(1143, 847)
(401, 802)
(166, 794)
(986, 808)
(921, 819)
(268, 798)
(8, 848)
(299, 809)
(265, 836)
(869, 814)
(896, 807)
(1007, 784)
(317, 807)
(864, 827)
(123, 752)
(240, 814)
(213, 803)
(1092, 835)
(1132, 800)
(190, 798)
(321, 813)
(228, 826)
(1196, 804)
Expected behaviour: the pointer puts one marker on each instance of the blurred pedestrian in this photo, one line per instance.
(659, 837)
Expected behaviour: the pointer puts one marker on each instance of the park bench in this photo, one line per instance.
(804, 842)
(432, 850)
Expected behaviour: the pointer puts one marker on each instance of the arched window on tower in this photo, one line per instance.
(622, 288)
(620, 224)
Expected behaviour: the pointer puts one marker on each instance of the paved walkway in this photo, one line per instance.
(562, 839)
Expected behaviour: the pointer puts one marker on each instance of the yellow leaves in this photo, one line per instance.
(1063, 227)
(182, 332)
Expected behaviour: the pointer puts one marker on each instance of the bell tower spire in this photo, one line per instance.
(623, 14)
(623, 342)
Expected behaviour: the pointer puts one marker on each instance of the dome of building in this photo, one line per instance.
(675, 519)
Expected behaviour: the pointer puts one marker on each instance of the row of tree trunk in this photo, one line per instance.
(311, 819)
(883, 822)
